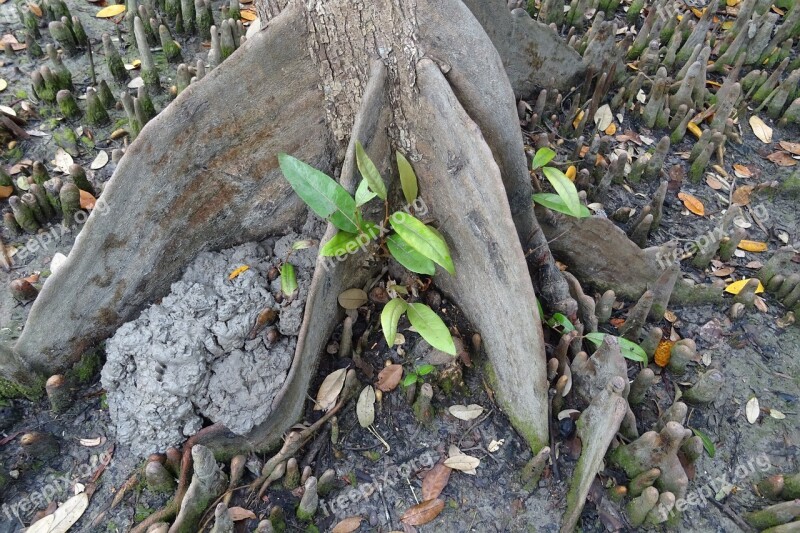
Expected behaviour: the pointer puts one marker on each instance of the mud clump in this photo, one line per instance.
(203, 350)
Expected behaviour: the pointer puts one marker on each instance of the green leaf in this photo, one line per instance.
(408, 179)
(322, 194)
(630, 350)
(556, 203)
(431, 327)
(369, 172)
(543, 156)
(560, 320)
(708, 444)
(409, 380)
(424, 370)
(565, 189)
(344, 242)
(422, 239)
(409, 257)
(288, 279)
(390, 316)
(363, 194)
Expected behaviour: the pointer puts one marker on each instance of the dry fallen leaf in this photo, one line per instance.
(240, 513)
(62, 160)
(752, 246)
(111, 11)
(571, 172)
(714, 183)
(6, 191)
(330, 389)
(463, 462)
(352, 298)
(777, 415)
(389, 377)
(365, 407)
(694, 129)
(466, 412)
(578, 119)
(752, 410)
(782, 159)
(348, 525)
(723, 272)
(760, 129)
(435, 481)
(100, 161)
(87, 200)
(742, 171)
(741, 195)
(422, 513)
(603, 117)
(89, 443)
(611, 129)
(35, 9)
(754, 265)
(790, 147)
(248, 15)
(692, 204)
(237, 271)
(737, 286)
(64, 517)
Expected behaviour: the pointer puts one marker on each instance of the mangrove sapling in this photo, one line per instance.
(412, 243)
(566, 199)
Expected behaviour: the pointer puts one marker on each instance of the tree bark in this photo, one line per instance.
(418, 76)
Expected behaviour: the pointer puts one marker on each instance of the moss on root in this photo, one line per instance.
(10, 389)
(84, 371)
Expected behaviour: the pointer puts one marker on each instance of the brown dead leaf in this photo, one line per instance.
(675, 178)
(742, 171)
(422, 513)
(389, 377)
(584, 150)
(6, 191)
(463, 463)
(248, 15)
(723, 272)
(754, 265)
(790, 147)
(35, 9)
(782, 159)
(617, 322)
(692, 204)
(741, 195)
(240, 513)
(348, 525)
(760, 129)
(714, 183)
(329, 390)
(87, 200)
(435, 481)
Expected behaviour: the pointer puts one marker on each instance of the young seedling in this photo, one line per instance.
(566, 199)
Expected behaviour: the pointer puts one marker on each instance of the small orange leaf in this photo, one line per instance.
(692, 204)
(742, 171)
(247, 15)
(237, 271)
(617, 322)
(663, 353)
(389, 377)
(111, 11)
(577, 119)
(435, 481)
(737, 286)
(35, 9)
(778, 10)
(611, 129)
(790, 147)
(422, 513)
(697, 12)
(87, 200)
(714, 183)
(571, 172)
(753, 246)
(6, 191)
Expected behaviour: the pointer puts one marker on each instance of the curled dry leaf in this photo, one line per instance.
(777, 415)
(603, 117)
(723, 272)
(465, 463)
(365, 407)
(240, 513)
(466, 412)
(248, 15)
(790, 147)
(752, 410)
(741, 195)
(435, 481)
(62, 161)
(348, 525)
(742, 171)
(87, 200)
(330, 389)
(760, 304)
(64, 517)
(90, 443)
(760, 129)
(422, 513)
(714, 183)
(782, 159)
(692, 204)
(753, 246)
(100, 161)
(352, 298)
(389, 377)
